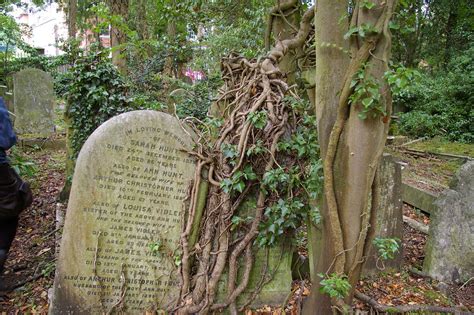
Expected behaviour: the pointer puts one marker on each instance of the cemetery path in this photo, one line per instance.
(30, 267)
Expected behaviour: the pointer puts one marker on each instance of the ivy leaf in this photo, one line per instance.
(368, 5)
(240, 186)
(351, 31)
(367, 102)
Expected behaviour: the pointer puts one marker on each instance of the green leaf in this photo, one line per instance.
(352, 31)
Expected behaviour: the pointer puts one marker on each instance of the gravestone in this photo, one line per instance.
(124, 218)
(389, 218)
(33, 101)
(449, 253)
(277, 284)
(270, 278)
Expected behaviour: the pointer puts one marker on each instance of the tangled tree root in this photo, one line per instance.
(251, 87)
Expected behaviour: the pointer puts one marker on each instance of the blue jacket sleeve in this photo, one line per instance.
(7, 135)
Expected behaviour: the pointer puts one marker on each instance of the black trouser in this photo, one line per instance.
(8, 225)
(7, 232)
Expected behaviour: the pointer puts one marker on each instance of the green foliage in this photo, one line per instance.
(95, 93)
(367, 94)
(276, 180)
(334, 285)
(155, 247)
(363, 30)
(229, 26)
(387, 247)
(237, 182)
(402, 81)
(23, 165)
(198, 98)
(258, 119)
(281, 216)
(229, 151)
(441, 104)
(256, 148)
(295, 185)
(366, 4)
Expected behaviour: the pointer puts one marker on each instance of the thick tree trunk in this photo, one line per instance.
(117, 35)
(331, 66)
(142, 22)
(450, 28)
(351, 147)
(72, 18)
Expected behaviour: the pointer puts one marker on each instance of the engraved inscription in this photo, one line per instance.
(134, 207)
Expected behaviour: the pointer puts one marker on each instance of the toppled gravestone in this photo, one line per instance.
(449, 253)
(389, 218)
(124, 218)
(33, 101)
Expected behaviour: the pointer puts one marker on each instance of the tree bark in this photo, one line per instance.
(285, 18)
(450, 28)
(351, 147)
(117, 35)
(72, 18)
(331, 66)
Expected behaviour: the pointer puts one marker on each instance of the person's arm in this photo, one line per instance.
(7, 134)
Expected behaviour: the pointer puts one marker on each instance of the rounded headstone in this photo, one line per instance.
(33, 101)
(120, 246)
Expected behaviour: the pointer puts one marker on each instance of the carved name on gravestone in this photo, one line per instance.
(449, 254)
(389, 217)
(123, 222)
(33, 101)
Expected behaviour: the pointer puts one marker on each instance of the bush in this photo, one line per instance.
(95, 92)
(441, 103)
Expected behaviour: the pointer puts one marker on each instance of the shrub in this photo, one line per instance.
(441, 103)
(95, 92)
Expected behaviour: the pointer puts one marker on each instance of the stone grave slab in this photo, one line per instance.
(389, 221)
(33, 101)
(274, 263)
(124, 218)
(449, 253)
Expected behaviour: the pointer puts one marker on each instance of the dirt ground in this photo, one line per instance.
(30, 268)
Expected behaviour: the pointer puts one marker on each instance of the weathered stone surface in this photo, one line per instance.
(33, 102)
(449, 253)
(128, 193)
(271, 271)
(389, 221)
(271, 274)
(277, 283)
(419, 198)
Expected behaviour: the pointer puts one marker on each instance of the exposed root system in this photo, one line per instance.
(250, 87)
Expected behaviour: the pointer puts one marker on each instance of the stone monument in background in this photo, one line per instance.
(389, 217)
(33, 101)
(449, 253)
(120, 244)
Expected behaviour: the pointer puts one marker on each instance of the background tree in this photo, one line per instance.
(118, 37)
